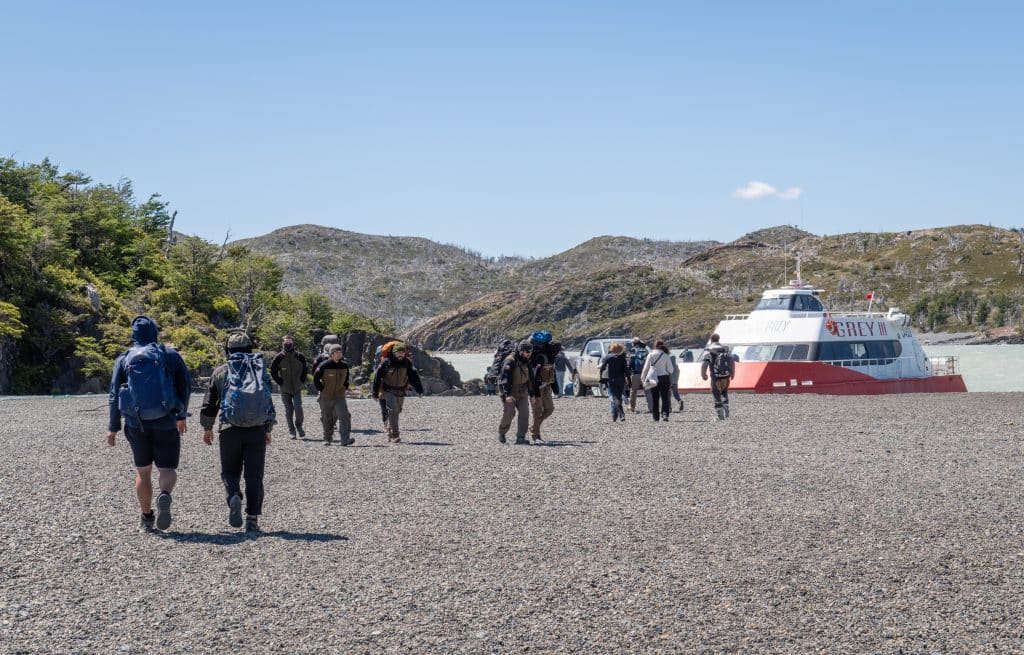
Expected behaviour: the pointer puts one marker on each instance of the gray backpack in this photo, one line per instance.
(246, 401)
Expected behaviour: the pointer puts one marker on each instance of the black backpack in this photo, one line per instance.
(720, 360)
(506, 348)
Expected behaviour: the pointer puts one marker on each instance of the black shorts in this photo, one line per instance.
(149, 446)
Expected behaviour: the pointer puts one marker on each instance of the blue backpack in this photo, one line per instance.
(148, 393)
(637, 359)
(245, 402)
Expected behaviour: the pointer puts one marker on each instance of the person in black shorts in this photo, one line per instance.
(153, 428)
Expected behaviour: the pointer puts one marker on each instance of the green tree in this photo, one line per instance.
(195, 276)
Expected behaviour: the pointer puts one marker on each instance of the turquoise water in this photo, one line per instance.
(985, 368)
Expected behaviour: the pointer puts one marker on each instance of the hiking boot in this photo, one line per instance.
(235, 511)
(252, 524)
(521, 441)
(163, 511)
(501, 438)
(147, 521)
(302, 433)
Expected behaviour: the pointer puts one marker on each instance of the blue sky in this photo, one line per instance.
(528, 127)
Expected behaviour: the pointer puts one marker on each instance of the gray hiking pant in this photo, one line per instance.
(720, 392)
(394, 404)
(335, 410)
(521, 410)
(636, 388)
(292, 408)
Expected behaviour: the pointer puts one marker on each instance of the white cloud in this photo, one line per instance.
(756, 190)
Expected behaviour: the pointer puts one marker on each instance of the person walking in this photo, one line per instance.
(394, 376)
(614, 372)
(515, 384)
(542, 367)
(675, 382)
(718, 359)
(562, 366)
(331, 380)
(659, 366)
(149, 389)
(290, 371)
(637, 357)
(239, 392)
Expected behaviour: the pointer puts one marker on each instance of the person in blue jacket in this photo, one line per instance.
(149, 389)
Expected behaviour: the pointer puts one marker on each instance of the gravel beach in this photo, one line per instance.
(888, 524)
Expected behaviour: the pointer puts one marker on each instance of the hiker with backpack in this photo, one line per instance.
(718, 359)
(637, 358)
(290, 371)
(394, 376)
(614, 372)
(542, 365)
(658, 369)
(149, 389)
(331, 379)
(515, 386)
(239, 391)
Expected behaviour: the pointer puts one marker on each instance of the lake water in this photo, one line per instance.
(985, 368)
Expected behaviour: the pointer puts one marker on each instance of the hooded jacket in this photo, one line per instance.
(144, 331)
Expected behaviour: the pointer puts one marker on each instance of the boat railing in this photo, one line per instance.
(947, 365)
(743, 317)
(906, 366)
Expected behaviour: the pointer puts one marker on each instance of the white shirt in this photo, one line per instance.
(661, 363)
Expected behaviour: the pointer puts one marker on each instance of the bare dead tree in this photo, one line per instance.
(224, 245)
(170, 233)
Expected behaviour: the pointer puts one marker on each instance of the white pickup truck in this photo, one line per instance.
(588, 364)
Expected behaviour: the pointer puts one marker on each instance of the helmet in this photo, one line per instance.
(540, 337)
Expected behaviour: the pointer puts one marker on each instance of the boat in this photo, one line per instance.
(790, 343)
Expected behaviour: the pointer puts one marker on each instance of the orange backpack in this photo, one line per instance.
(385, 352)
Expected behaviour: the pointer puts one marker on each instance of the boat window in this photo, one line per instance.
(782, 302)
(860, 353)
(809, 304)
(800, 351)
(783, 351)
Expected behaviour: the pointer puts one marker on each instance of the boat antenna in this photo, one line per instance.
(799, 279)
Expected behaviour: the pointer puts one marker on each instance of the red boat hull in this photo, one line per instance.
(815, 377)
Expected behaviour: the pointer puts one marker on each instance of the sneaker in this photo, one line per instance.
(664, 417)
(235, 511)
(348, 441)
(328, 440)
(521, 441)
(536, 438)
(302, 433)
(726, 408)
(163, 511)
(291, 431)
(147, 521)
(501, 438)
(721, 414)
(252, 524)
(680, 405)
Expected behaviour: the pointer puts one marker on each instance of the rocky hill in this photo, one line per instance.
(959, 278)
(409, 279)
(403, 279)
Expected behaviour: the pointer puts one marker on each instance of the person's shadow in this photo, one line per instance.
(232, 538)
